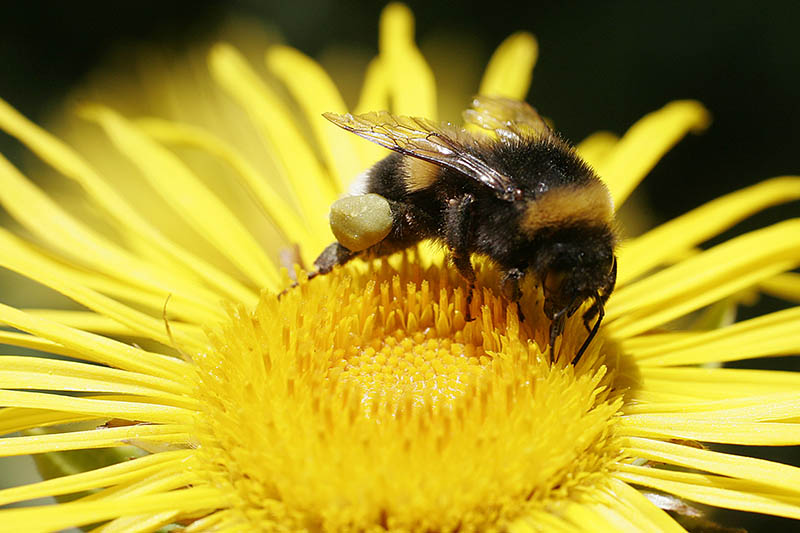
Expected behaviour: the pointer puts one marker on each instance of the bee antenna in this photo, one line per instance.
(600, 314)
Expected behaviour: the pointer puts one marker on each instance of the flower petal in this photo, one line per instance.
(713, 490)
(543, 521)
(411, 83)
(103, 324)
(596, 147)
(646, 142)
(57, 517)
(686, 384)
(18, 259)
(13, 419)
(143, 523)
(708, 429)
(204, 211)
(703, 279)
(25, 372)
(773, 334)
(596, 519)
(375, 90)
(95, 348)
(154, 304)
(638, 509)
(374, 97)
(316, 93)
(45, 219)
(134, 469)
(786, 286)
(70, 164)
(656, 246)
(269, 201)
(96, 438)
(299, 169)
(735, 466)
(510, 67)
(765, 407)
(149, 412)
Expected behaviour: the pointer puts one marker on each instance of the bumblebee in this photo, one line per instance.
(509, 189)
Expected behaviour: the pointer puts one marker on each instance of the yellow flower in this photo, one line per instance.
(362, 400)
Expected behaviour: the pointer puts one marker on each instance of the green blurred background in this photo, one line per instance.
(602, 66)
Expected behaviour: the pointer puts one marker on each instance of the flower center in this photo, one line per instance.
(419, 366)
(366, 401)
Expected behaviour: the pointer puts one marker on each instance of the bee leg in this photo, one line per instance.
(458, 237)
(595, 309)
(509, 284)
(590, 314)
(556, 329)
(334, 254)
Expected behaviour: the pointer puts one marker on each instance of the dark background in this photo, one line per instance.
(602, 65)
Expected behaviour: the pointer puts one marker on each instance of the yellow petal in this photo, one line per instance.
(716, 494)
(374, 97)
(47, 273)
(786, 286)
(103, 324)
(768, 406)
(56, 517)
(70, 164)
(773, 334)
(543, 521)
(13, 419)
(646, 142)
(411, 84)
(149, 412)
(97, 438)
(135, 469)
(260, 186)
(511, 66)
(143, 523)
(703, 279)
(707, 429)
(49, 222)
(37, 373)
(682, 233)
(736, 466)
(375, 90)
(204, 211)
(316, 93)
(595, 519)
(594, 148)
(692, 383)
(643, 509)
(299, 168)
(95, 348)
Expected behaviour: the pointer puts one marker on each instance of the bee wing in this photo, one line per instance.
(443, 145)
(507, 118)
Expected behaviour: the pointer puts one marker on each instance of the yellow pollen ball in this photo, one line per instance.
(364, 400)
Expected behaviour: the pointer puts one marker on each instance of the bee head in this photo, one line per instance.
(575, 264)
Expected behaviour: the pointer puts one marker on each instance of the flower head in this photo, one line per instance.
(363, 400)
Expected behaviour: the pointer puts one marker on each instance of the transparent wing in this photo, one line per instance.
(507, 118)
(442, 144)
